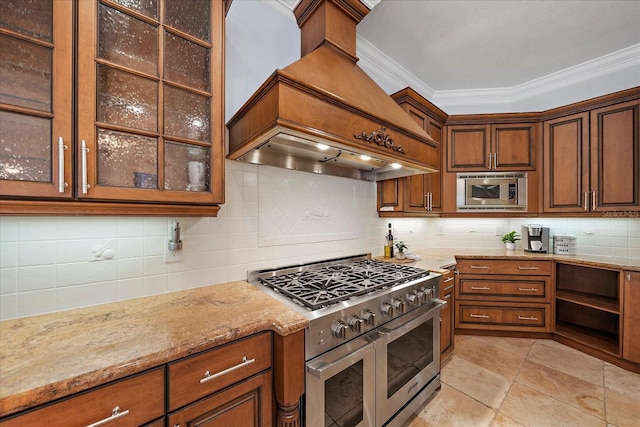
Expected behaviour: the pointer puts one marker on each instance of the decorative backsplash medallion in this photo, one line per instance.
(301, 208)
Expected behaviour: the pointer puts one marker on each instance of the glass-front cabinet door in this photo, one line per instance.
(36, 98)
(150, 122)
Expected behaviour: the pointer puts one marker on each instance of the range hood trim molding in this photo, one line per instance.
(280, 76)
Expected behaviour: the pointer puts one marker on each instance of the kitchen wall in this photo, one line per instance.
(602, 236)
(272, 217)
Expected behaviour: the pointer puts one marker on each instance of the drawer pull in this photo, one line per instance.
(480, 288)
(448, 287)
(527, 318)
(209, 377)
(528, 290)
(528, 268)
(479, 316)
(481, 267)
(449, 279)
(115, 414)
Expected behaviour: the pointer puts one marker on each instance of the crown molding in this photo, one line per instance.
(500, 99)
(613, 62)
(283, 7)
(374, 60)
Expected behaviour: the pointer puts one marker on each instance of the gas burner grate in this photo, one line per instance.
(330, 284)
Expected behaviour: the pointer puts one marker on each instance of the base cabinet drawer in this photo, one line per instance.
(247, 404)
(512, 317)
(512, 288)
(133, 401)
(522, 267)
(200, 375)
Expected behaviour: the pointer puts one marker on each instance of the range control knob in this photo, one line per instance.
(339, 330)
(355, 323)
(387, 310)
(422, 296)
(399, 305)
(369, 318)
(413, 299)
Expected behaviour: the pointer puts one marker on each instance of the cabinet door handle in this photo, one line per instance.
(85, 183)
(209, 377)
(480, 316)
(426, 201)
(61, 147)
(527, 318)
(528, 268)
(628, 276)
(479, 288)
(489, 160)
(481, 267)
(115, 414)
(528, 290)
(586, 200)
(495, 160)
(593, 200)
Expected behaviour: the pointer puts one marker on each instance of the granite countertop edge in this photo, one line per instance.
(63, 353)
(618, 263)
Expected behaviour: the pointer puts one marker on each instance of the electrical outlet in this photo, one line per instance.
(171, 256)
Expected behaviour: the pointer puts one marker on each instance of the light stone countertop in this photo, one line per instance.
(448, 255)
(50, 356)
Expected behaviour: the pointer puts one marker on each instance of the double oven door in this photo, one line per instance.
(366, 381)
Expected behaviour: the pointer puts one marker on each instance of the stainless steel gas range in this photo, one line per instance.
(372, 348)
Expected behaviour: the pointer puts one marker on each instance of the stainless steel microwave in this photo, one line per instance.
(491, 191)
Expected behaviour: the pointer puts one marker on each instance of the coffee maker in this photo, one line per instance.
(535, 238)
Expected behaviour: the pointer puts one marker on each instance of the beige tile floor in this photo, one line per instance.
(496, 381)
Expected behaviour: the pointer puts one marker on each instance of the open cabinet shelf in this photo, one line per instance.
(589, 337)
(588, 306)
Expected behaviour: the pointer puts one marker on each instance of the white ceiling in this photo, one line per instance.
(478, 44)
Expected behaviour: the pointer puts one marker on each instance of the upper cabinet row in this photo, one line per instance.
(133, 125)
(495, 147)
(592, 160)
(582, 158)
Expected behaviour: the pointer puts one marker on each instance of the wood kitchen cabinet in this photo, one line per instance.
(135, 400)
(588, 306)
(503, 295)
(245, 404)
(235, 384)
(36, 95)
(416, 194)
(447, 293)
(631, 317)
(491, 147)
(201, 382)
(150, 125)
(592, 160)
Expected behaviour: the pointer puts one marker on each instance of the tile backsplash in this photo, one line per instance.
(271, 217)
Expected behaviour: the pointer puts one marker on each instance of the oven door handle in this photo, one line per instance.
(323, 370)
(394, 333)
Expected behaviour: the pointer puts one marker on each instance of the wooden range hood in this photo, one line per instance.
(326, 100)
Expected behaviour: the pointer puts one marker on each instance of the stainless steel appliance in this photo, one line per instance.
(535, 238)
(372, 348)
(491, 191)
